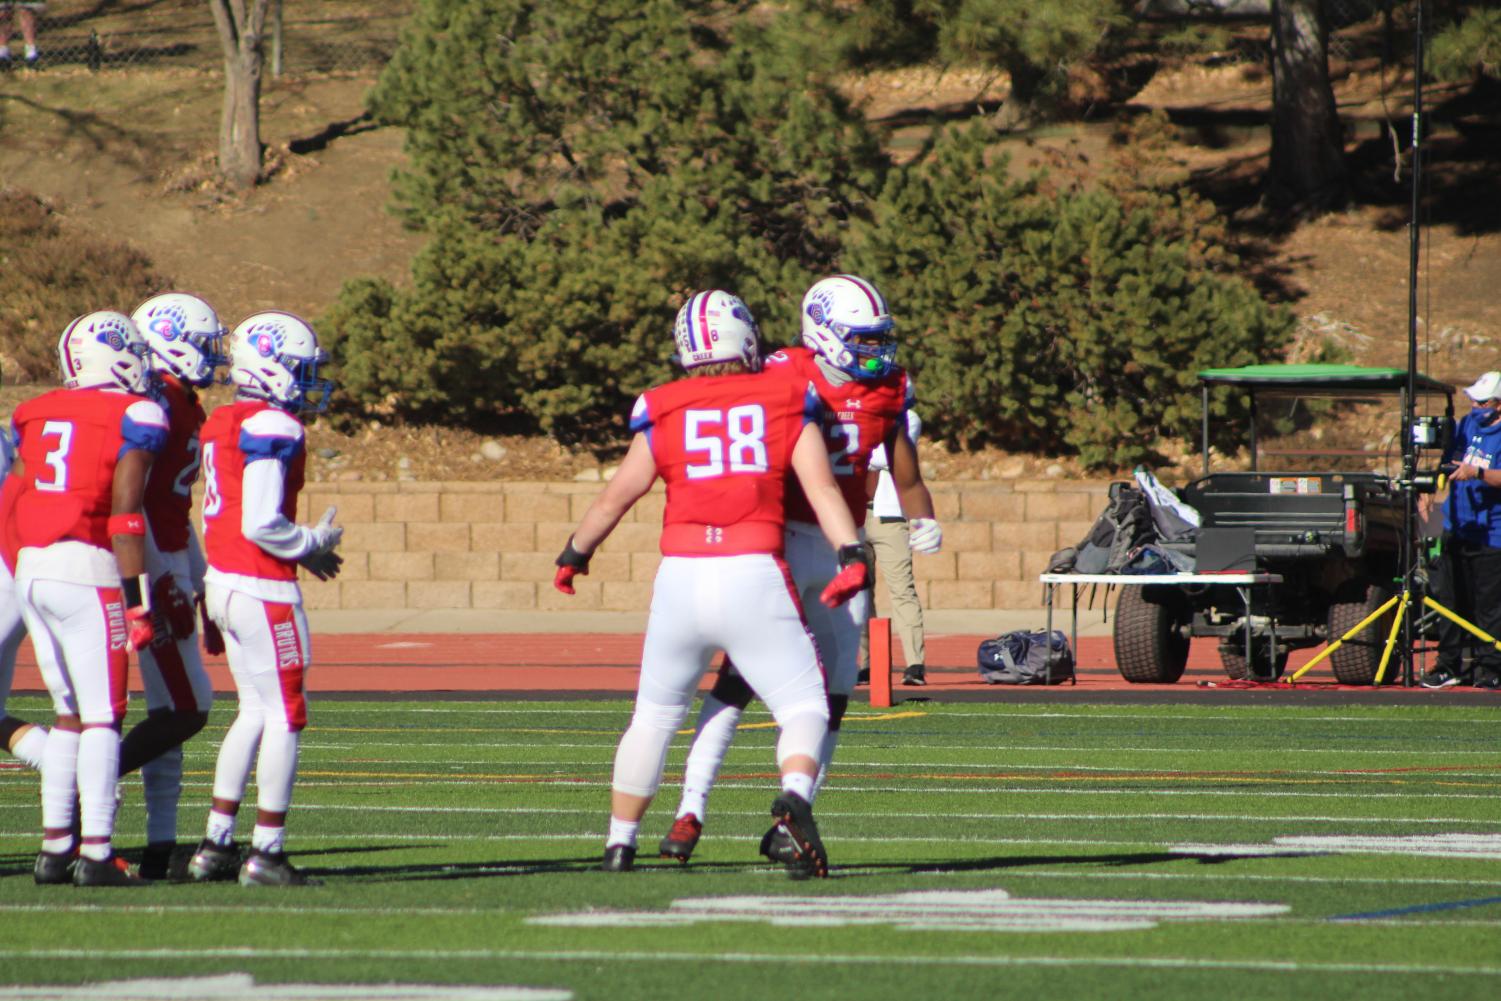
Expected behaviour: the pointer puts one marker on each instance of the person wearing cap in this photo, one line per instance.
(1468, 574)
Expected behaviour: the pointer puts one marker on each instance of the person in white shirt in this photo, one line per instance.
(887, 531)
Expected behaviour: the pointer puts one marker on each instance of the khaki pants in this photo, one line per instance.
(894, 560)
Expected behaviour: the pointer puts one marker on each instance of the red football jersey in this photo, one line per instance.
(858, 415)
(235, 435)
(71, 440)
(723, 445)
(169, 491)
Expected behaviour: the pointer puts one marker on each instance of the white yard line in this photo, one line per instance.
(819, 959)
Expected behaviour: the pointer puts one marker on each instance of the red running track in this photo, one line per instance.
(607, 662)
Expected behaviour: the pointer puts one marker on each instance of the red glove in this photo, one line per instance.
(856, 561)
(213, 640)
(139, 632)
(173, 606)
(571, 564)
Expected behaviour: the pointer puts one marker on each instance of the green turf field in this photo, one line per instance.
(1041, 851)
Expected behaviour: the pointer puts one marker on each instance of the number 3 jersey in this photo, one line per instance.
(70, 441)
(723, 445)
(236, 438)
(858, 415)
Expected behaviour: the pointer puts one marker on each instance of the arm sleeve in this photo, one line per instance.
(261, 520)
(197, 564)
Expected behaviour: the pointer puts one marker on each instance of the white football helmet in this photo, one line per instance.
(845, 319)
(715, 326)
(274, 356)
(104, 350)
(185, 335)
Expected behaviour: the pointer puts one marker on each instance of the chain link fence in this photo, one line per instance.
(308, 36)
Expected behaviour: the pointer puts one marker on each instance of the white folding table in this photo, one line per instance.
(1242, 582)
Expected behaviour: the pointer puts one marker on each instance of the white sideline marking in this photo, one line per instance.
(242, 987)
(924, 910)
(885, 958)
(1459, 845)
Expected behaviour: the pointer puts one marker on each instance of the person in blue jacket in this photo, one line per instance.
(1468, 574)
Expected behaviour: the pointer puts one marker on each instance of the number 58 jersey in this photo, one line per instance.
(723, 445)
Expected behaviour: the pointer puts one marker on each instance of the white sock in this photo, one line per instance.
(270, 840)
(59, 779)
(98, 774)
(30, 747)
(825, 758)
(799, 783)
(221, 828)
(161, 782)
(276, 769)
(716, 729)
(622, 832)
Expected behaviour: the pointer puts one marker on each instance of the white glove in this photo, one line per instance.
(924, 536)
(326, 534)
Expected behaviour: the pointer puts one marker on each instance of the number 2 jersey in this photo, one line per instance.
(857, 415)
(169, 491)
(70, 441)
(236, 437)
(723, 446)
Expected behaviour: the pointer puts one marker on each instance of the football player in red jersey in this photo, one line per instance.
(186, 341)
(723, 439)
(849, 357)
(23, 739)
(74, 503)
(253, 459)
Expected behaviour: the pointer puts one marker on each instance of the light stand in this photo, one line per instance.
(1409, 548)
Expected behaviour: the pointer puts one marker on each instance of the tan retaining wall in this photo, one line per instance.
(491, 545)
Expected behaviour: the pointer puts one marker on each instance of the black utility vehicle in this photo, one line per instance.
(1319, 506)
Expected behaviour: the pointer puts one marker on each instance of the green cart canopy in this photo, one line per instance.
(1321, 378)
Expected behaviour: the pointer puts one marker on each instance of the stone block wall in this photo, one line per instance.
(426, 545)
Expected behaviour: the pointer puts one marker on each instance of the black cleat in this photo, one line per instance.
(795, 816)
(619, 858)
(916, 675)
(111, 872)
(682, 839)
(272, 869)
(213, 863)
(54, 868)
(776, 844)
(156, 862)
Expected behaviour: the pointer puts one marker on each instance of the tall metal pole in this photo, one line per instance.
(1409, 402)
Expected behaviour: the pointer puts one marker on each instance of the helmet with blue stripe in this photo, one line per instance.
(715, 326)
(274, 356)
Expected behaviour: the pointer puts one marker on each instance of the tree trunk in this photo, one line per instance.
(1307, 169)
(240, 24)
(1024, 104)
(240, 124)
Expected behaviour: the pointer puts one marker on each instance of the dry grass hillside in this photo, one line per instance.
(126, 152)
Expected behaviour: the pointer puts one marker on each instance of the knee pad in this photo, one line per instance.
(643, 748)
(731, 688)
(837, 705)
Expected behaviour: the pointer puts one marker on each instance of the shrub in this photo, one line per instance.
(1047, 314)
(52, 276)
(1469, 49)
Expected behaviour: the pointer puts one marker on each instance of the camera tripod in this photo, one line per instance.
(1404, 602)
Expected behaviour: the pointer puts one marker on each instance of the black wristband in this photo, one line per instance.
(571, 557)
(858, 552)
(131, 589)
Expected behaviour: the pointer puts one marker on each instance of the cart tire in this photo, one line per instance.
(1151, 638)
(1233, 659)
(1356, 662)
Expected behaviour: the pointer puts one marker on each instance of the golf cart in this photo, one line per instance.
(1321, 505)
